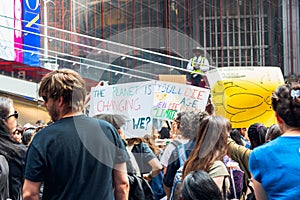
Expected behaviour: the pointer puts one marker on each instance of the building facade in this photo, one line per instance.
(231, 32)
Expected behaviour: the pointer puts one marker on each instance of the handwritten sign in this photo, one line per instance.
(132, 100)
(243, 94)
(170, 98)
(141, 102)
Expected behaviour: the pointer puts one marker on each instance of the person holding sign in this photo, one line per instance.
(197, 64)
(275, 165)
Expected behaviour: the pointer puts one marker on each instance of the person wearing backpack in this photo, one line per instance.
(188, 126)
(183, 135)
(210, 148)
(11, 151)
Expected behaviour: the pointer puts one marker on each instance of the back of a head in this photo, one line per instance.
(116, 120)
(199, 185)
(7, 143)
(40, 123)
(257, 134)
(5, 105)
(212, 136)
(273, 132)
(164, 133)
(210, 144)
(64, 83)
(189, 122)
(235, 134)
(286, 103)
(27, 135)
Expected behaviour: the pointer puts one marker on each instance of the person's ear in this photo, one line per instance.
(60, 101)
(278, 118)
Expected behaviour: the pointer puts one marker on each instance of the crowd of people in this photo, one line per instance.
(80, 157)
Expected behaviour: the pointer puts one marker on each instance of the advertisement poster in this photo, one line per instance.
(31, 27)
(18, 44)
(243, 94)
(7, 30)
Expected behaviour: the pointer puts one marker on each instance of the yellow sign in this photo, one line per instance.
(243, 94)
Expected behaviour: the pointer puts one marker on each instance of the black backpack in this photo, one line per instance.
(139, 188)
(4, 183)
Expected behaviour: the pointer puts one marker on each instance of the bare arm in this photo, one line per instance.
(219, 182)
(260, 193)
(31, 190)
(121, 183)
(156, 166)
(167, 191)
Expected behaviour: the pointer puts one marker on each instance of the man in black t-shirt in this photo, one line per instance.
(76, 157)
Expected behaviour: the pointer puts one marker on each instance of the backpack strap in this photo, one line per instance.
(224, 189)
(176, 143)
(181, 154)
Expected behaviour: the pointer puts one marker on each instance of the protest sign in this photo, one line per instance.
(141, 102)
(133, 101)
(170, 98)
(243, 94)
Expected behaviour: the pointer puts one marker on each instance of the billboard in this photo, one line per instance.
(7, 30)
(18, 44)
(31, 27)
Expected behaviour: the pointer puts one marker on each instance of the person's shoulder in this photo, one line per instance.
(145, 147)
(267, 146)
(23, 148)
(190, 144)
(218, 163)
(218, 168)
(91, 122)
(101, 122)
(170, 147)
(260, 152)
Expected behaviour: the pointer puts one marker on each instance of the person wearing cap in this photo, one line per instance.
(197, 64)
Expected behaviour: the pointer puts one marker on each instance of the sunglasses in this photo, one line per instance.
(15, 114)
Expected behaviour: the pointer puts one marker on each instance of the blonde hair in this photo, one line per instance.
(64, 83)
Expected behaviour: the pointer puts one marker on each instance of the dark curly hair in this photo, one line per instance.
(286, 103)
(188, 122)
(273, 132)
(257, 134)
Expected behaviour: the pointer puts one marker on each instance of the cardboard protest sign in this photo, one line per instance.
(170, 98)
(133, 101)
(141, 102)
(243, 94)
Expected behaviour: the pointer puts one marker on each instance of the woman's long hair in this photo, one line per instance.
(148, 139)
(8, 146)
(210, 144)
